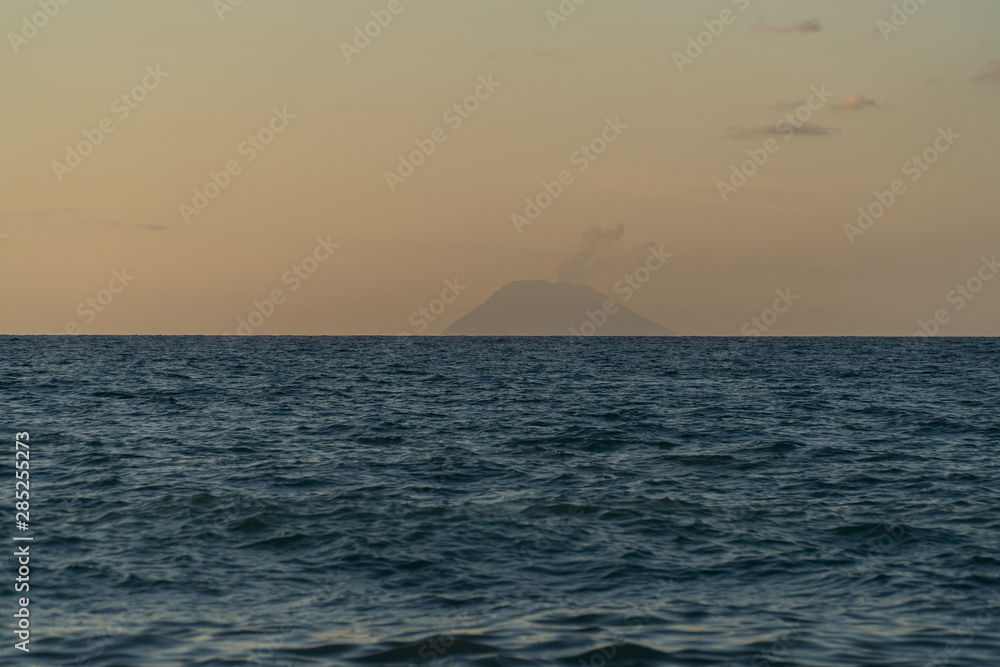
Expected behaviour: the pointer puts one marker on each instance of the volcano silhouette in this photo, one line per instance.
(543, 308)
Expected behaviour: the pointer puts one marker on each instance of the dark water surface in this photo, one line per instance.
(367, 501)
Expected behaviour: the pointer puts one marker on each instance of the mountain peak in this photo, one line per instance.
(543, 308)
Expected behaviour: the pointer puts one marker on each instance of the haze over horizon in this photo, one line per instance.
(123, 119)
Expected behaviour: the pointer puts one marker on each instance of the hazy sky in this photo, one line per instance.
(198, 82)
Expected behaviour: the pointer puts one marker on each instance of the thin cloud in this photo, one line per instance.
(547, 54)
(991, 74)
(62, 216)
(51, 212)
(805, 26)
(539, 54)
(786, 104)
(854, 103)
(145, 227)
(781, 129)
(590, 255)
(600, 253)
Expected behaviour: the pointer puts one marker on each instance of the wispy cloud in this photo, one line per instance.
(143, 227)
(538, 54)
(70, 215)
(991, 74)
(805, 26)
(600, 253)
(51, 212)
(854, 103)
(590, 255)
(782, 129)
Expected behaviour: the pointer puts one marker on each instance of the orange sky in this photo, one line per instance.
(174, 168)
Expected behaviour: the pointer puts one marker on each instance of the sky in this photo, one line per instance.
(225, 167)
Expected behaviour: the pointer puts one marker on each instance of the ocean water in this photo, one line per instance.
(432, 501)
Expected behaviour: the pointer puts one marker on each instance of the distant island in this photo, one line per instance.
(543, 308)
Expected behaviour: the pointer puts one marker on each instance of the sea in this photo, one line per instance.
(587, 502)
